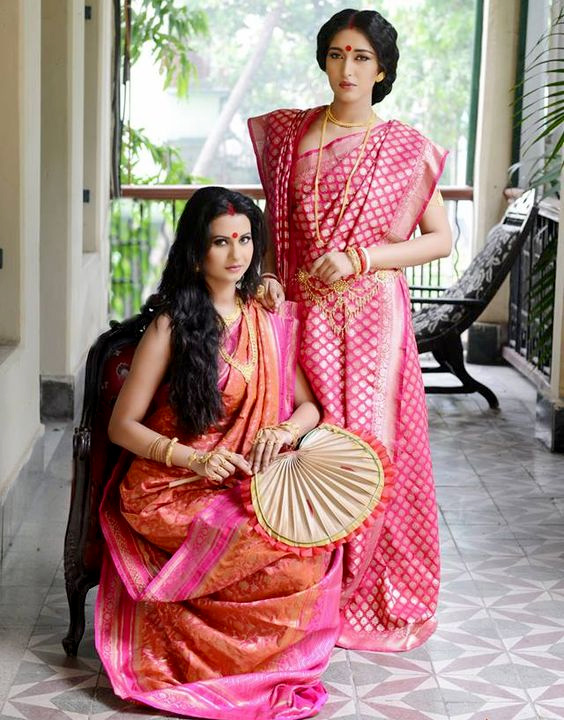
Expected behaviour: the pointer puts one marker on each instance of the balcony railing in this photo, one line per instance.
(142, 229)
(531, 304)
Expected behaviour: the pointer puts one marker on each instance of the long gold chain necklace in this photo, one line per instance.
(246, 369)
(345, 200)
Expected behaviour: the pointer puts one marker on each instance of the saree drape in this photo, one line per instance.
(196, 613)
(358, 349)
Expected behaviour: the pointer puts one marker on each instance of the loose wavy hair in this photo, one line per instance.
(183, 295)
(380, 33)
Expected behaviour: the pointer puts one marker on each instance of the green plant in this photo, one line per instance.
(140, 230)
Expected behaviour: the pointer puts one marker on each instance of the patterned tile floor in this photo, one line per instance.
(498, 653)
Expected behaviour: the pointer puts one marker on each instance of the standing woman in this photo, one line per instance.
(345, 191)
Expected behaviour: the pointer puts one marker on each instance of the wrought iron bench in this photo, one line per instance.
(441, 320)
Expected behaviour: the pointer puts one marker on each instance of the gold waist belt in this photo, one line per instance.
(343, 300)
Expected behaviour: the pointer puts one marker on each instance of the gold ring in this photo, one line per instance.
(260, 291)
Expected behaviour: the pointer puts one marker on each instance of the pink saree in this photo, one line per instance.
(196, 613)
(359, 352)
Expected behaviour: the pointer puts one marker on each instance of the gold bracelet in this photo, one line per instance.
(352, 254)
(169, 449)
(294, 429)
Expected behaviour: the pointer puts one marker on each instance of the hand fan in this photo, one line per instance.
(322, 493)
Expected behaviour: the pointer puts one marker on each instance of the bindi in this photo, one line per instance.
(348, 48)
(234, 235)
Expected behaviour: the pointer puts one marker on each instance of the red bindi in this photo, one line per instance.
(234, 235)
(348, 48)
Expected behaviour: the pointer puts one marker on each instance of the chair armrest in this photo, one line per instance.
(447, 301)
(429, 288)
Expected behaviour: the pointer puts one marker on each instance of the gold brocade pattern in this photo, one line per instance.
(344, 299)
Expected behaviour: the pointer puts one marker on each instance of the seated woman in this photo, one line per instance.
(196, 613)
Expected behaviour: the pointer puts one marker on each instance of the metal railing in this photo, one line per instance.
(142, 229)
(531, 304)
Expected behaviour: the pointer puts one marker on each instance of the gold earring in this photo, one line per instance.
(380, 76)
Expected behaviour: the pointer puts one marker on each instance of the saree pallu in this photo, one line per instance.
(196, 613)
(358, 349)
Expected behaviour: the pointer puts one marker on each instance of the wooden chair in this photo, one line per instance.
(441, 320)
(94, 458)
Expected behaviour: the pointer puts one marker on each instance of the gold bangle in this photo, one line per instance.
(152, 447)
(169, 449)
(191, 458)
(352, 254)
(157, 449)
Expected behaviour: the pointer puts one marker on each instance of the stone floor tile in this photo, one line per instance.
(498, 652)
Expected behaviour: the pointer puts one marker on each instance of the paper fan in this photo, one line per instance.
(320, 494)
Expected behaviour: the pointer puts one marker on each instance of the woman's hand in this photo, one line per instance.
(219, 466)
(332, 267)
(273, 295)
(266, 446)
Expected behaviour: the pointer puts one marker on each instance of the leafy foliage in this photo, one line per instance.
(140, 231)
(168, 29)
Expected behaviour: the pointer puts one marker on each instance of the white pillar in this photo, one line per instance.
(76, 142)
(62, 110)
(495, 127)
(20, 36)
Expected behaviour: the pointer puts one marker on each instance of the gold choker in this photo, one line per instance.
(372, 119)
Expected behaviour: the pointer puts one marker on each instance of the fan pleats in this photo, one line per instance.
(320, 492)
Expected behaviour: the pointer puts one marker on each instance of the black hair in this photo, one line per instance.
(380, 33)
(196, 326)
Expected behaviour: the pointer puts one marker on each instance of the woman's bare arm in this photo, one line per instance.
(274, 292)
(434, 242)
(148, 369)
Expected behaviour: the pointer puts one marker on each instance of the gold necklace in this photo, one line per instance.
(232, 317)
(345, 199)
(246, 369)
(342, 123)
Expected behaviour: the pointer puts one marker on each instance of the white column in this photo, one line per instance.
(62, 111)
(494, 131)
(20, 35)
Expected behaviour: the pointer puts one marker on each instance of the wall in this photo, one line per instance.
(75, 116)
(19, 235)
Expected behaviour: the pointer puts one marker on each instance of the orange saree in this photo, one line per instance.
(196, 613)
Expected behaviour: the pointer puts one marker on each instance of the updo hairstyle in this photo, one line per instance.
(379, 32)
